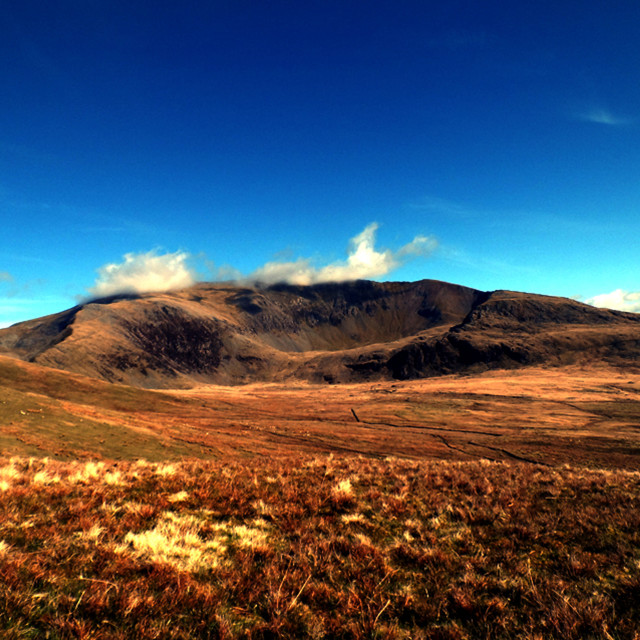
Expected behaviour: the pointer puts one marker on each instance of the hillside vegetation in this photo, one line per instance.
(328, 333)
(317, 547)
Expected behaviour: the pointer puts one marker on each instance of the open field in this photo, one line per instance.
(547, 416)
(576, 415)
(318, 547)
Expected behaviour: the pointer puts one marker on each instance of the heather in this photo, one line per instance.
(317, 547)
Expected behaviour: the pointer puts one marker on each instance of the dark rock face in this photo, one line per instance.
(330, 333)
(175, 342)
(507, 330)
(353, 314)
(170, 342)
(452, 355)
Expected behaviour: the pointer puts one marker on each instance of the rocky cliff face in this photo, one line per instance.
(331, 332)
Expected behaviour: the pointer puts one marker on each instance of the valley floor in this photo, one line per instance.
(550, 416)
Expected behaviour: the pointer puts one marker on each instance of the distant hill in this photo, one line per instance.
(347, 332)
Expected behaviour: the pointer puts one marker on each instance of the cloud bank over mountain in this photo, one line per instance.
(363, 262)
(157, 272)
(147, 272)
(142, 272)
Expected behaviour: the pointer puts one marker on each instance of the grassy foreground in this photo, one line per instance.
(317, 547)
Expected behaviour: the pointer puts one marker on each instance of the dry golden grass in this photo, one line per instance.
(175, 540)
(318, 547)
(495, 506)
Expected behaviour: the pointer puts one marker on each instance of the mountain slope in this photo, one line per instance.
(330, 332)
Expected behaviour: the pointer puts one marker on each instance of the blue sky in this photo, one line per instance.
(150, 144)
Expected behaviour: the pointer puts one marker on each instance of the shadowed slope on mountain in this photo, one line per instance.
(511, 329)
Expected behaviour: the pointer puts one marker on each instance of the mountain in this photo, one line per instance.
(347, 332)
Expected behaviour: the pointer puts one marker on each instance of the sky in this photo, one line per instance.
(150, 145)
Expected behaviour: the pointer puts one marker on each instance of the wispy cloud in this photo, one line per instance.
(5, 276)
(618, 299)
(143, 272)
(599, 115)
(363, 261)
(463, 258)
(444, 207)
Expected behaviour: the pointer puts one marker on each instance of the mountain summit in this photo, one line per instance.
(347, 332)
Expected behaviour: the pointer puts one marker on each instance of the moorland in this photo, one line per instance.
(397, 462)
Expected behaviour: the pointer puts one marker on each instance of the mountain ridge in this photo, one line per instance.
(334, 332)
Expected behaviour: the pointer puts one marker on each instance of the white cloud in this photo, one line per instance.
(147, 272)
(420, 246)
(603, 116)
(5, 276)
(142, 272)
(618, 299)
(363, 261)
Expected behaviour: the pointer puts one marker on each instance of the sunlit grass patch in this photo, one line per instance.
(262, 508)
(364, 540)
(343, 495)
(251, 537)
(166, 470)
(44, 477)
(175, 540)
(191, 542)
(9, 475)
(114, 478)
(92, 534)
(139, 509)
(87, 473)
(343, 489)
(350, 518)
(179, 496)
